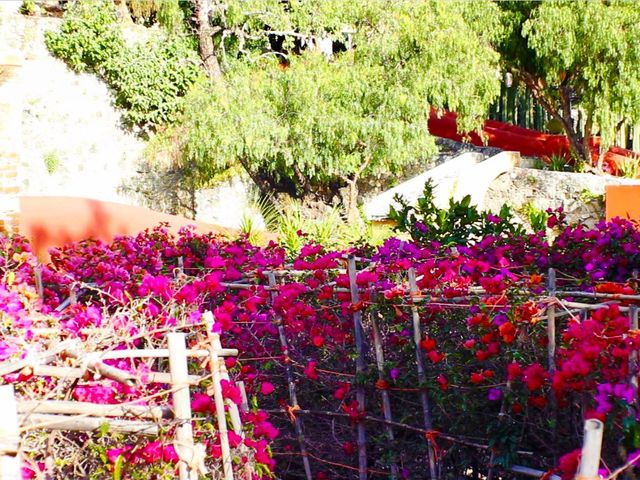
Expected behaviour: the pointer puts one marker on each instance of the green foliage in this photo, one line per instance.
(303, 123)
(459, 224)
(630, 167)
(170, 16)
(149, 80)
(581, 50)
(88, 36)
(51, 161)
(28, 7)
(537, 217)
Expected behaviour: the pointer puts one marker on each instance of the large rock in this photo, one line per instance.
(580, 194)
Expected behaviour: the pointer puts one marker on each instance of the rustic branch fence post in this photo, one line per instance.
(293, 398)
(9, 435)
(216, 346)
(633, 357)
(219, 372)
(551, 321)
(181, 404)
(422, 378)
(360, 365)
(386, 400)
(551, 350)
(591, 448)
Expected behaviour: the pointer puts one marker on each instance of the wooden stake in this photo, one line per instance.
(215, 346)
(181, 404)
(359, 338)
(551, 322)
(9, 435)
(591, 447)
(72, 423)
(62, 407)
(424, 399)
(38, 274)
(243, 393)
(293, 398)
(633, 357)
(386, 400)
(215, 364)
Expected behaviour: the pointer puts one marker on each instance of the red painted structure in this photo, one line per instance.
(527, 142)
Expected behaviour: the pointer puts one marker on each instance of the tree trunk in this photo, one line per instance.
(350, 200)
(205, 40)
(564, 116)
(123, 11)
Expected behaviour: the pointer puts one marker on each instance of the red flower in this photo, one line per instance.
(342, 390)
(435, 357)
(537, 401)
(266, 388)
(310, 370)
(507, 332)
(535, 376)
(382, 384)
(348, 448)
(353, 410)
(482, 355)
(443, 382)
(568, 464)
(513, 371)
(468, 344)
(477, 378)
(318, 341)
(428, 344)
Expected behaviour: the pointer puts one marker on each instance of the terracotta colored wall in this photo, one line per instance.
(52, 221)
(622, 201)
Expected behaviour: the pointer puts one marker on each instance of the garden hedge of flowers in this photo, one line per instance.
(493, 399)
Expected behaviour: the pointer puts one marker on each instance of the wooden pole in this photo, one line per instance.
(62, 407)
(74, 423)
(386, 400)
(633, 357)
(216, 367)
(293, 397)
(9, 435)
(181, 404)
(359, 339)
(243, 393)
(591, 447)
(551, 322)
(424, 399)
(38, 274)
(216, 346)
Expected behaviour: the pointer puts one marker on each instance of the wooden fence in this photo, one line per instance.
(23, 415)
(20, 416)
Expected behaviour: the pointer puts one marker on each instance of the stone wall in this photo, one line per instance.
(10, 138)
(580, 194)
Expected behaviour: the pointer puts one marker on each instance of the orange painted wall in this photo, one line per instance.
(622, 201)
(52, 221)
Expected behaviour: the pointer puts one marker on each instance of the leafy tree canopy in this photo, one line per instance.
(302, 122)
(582, 53)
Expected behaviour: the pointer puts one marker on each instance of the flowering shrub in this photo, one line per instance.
(481, 309)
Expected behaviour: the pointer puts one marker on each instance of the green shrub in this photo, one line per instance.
(28, 7)
(88, 36)
(51, 162)
(459, 224)
(149, 80)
